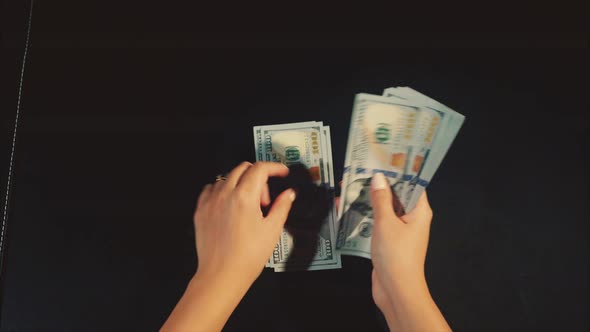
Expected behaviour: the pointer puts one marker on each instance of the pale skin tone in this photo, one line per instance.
(398, 252)
(229, 216)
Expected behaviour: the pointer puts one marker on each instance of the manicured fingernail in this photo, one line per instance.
(378, 182)
(292, 195)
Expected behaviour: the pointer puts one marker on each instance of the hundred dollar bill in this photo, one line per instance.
(398, 137)
(262, 153)
(448, 128)
(319, 264)
(379, 138)
(426, 127)
(307, 143)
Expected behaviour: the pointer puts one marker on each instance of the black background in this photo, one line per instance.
(127, 111)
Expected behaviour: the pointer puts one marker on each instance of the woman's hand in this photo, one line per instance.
(234, 241)
(398, 246)
(398, 253)
(232, 236)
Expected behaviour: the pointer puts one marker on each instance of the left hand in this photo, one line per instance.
(234, 240)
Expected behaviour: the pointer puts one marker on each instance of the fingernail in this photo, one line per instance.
(292, 195)
(379, 182)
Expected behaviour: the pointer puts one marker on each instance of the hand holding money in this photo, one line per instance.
(396, 143)
(228, 217)
(233, 242)
(398, 252)
(307, 144)
(403, 135)
(398, 246)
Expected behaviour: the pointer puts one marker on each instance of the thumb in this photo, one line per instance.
(381, 199)
(280, 209)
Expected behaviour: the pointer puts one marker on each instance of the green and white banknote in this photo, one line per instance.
(307, 143)
(402, 134)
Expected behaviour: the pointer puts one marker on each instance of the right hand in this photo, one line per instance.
(398, 246)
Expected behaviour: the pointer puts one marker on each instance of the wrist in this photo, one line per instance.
(207, 303)
(220, 282)
(413, 308)
(412, 289)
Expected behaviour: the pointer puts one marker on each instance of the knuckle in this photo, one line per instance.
(382, 198)
(242, 197)
(197, 215)
(206, 189)
(258, 165)
(202, 196)
(200, 201)
(384, 213)
(243, 164)
(217, 186)
(428, 212)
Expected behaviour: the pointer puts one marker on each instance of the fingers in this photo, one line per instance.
(381, 199)
(421, 214)
(234, 176)
(204, 195)
(280, 209)
(254, 179)
(265, 196)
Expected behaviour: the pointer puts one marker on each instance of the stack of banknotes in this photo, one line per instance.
(402, 134)
(306, 143)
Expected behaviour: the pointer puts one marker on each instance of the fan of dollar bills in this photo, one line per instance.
(402, 134)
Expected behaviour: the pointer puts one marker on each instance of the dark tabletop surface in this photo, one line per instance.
(119, 131)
